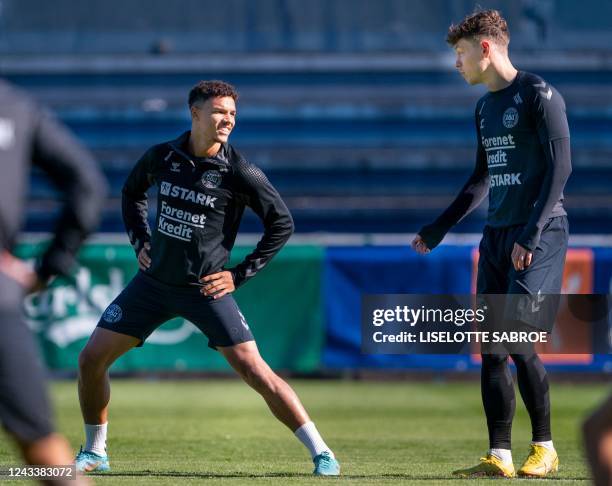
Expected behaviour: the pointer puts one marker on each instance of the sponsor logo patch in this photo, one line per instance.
(500, 180)
(165, 188)
(170, 190)
(112, 314)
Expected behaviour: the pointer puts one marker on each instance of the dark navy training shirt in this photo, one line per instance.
(200, 202)
(523, 161)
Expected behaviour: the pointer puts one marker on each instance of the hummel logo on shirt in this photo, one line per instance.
(482, 108)
(546, 94)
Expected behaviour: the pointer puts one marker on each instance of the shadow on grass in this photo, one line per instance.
(272, 475)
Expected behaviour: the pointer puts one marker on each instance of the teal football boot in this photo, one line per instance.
(326, 465)
(87, 461)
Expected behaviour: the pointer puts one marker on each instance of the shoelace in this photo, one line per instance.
(536, 455)
(488, 460)
(87, 454)
(325, 458)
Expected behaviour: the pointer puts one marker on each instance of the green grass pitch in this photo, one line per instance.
(221, 432)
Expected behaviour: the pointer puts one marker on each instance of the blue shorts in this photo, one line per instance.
(146, 303)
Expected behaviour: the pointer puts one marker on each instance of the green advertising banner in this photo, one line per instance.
(282, 305)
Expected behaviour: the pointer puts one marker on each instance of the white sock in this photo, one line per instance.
(547, 443)
(504, 455)
(95, 438)
(310, 437)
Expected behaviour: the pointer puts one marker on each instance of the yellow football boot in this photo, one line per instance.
(540, 462)
(488, 466)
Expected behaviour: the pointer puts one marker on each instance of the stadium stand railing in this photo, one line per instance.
(356, 114)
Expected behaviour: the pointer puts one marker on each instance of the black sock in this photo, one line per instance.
(498, 399)
(533, 385)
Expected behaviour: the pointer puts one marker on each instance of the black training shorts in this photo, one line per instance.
(531, 295)
(146, 303)
(24, 404)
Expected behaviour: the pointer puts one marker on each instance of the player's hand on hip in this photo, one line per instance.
(521, 257)
(216, 285)
(144, 257)
(419, 245)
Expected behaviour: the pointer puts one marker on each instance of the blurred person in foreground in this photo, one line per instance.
(597, 434)
(203, 186)
(522, 163)
(31, 137)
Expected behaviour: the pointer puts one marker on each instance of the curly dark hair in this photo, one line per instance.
(211, 89)
(482, 23)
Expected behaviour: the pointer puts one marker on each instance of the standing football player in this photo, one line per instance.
(523, 163)
(29, 136)
(203, 187)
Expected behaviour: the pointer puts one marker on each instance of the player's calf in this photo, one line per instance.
(283, 403)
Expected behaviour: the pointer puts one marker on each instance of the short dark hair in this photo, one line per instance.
(482, 23)
(211, 89)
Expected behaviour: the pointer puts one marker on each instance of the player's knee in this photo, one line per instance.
(494, 360)
(524, 359)
(91, 362)
(259, 376)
